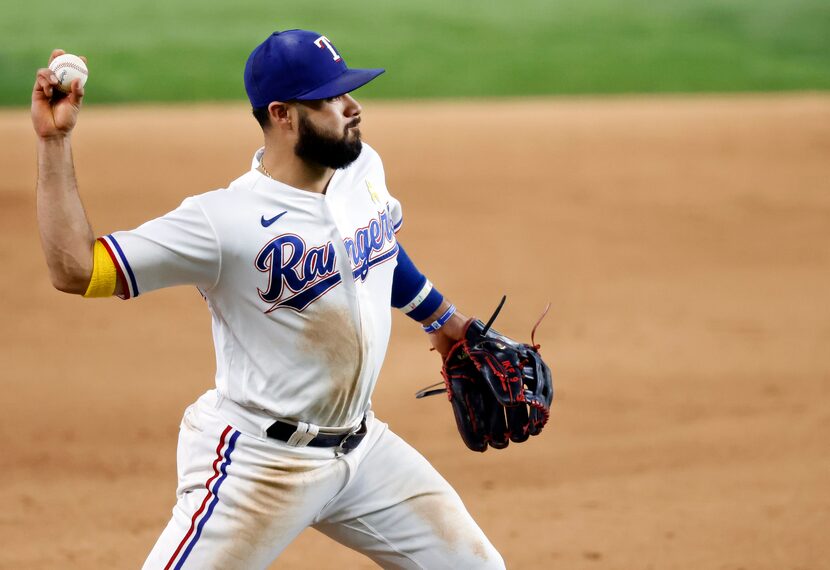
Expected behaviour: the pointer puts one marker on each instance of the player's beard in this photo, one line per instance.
(321, 148)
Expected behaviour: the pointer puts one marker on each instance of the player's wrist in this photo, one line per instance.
(449, 334)
(440, 321)
(55, 136)
(54, 140)
(451, 327)
(454, 328)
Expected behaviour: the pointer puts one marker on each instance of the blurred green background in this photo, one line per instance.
(178, 50)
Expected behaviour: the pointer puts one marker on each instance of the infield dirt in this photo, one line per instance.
(684, 244)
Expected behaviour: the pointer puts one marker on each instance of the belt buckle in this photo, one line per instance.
(340, 450)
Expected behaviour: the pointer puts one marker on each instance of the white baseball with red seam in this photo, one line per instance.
(69, 67)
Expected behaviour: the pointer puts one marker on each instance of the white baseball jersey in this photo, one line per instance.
(298, 285)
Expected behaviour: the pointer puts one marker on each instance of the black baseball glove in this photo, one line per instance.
(500, 389)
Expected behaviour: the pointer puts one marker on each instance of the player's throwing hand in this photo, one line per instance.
(54, 113)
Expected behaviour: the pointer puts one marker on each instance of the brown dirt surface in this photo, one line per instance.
(684, 243)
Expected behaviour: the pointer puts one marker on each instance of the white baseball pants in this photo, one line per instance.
(242, 499)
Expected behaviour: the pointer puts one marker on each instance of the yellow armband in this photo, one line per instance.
(102, 283)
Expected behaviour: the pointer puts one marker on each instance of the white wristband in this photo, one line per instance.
(419, 298)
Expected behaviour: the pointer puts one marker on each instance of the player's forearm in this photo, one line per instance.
(65, 233)
(414, 294)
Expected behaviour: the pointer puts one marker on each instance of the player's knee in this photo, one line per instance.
(493, 561)
(481, 555)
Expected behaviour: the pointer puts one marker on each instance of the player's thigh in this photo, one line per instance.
(239, 501)
(402, 513)
(201, 535)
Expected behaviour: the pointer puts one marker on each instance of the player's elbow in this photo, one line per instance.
(70, 285)
(72, 280)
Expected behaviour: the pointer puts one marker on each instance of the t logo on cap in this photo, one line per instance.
(324, 40)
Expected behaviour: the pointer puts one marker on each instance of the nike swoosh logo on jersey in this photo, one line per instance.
(265, 223)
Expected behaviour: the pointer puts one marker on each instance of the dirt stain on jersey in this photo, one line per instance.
(331, 334)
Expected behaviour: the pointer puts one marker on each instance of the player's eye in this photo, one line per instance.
(333, 99)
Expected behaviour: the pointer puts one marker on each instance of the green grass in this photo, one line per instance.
(181, 50)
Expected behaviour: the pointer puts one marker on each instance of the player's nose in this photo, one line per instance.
(353, 108)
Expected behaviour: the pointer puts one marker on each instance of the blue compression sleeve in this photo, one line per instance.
(411, 291)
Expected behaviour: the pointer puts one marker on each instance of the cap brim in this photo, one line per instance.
(344, 83)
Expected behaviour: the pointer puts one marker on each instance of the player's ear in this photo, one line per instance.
(280, 115)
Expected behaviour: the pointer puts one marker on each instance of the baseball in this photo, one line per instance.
(69, 67)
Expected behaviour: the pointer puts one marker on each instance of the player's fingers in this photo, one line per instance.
(40, 90)
(48, 75)
(83, 57)
(76, 93)
(55, 53)
(45, 82)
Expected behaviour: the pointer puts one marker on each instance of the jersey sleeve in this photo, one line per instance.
(395, 213)
(179, 248)
(392, 203)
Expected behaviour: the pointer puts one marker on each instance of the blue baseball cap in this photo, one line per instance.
(299, 64)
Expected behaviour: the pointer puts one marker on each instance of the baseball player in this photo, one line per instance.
(299, 262)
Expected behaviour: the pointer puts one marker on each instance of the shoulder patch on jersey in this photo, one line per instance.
(372, 193)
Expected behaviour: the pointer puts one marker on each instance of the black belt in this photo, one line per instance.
(344, 442)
